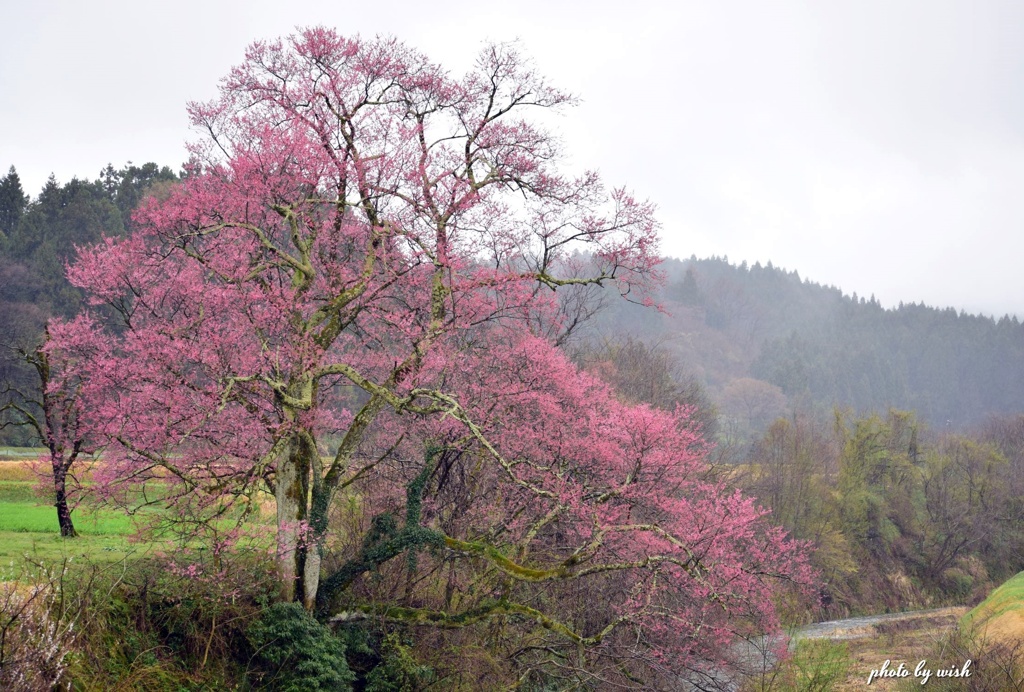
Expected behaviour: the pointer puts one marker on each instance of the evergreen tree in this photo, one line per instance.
(130, 185)
(63, 217)
(12, 204)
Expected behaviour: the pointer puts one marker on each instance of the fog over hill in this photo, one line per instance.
(765, 342)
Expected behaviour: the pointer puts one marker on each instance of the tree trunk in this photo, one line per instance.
(320, 500)
(292, 495)
(60, 473)
(311, 575)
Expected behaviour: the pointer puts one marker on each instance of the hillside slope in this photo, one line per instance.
(765, 342)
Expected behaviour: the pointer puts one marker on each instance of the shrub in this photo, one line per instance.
(34, 645)
(399, 671)
(166, 623)
(295, 653)
(816, 665)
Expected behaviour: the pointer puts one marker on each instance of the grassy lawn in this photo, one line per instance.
(32, 517)
(1006, 597)
(29, 530)
(22, 548)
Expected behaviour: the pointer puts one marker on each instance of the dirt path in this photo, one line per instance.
(868, 625)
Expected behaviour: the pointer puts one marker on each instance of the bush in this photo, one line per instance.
(166, 623)
(34, 644)
(816, 665)
(295, 653)
(957, 582)
(398, 671)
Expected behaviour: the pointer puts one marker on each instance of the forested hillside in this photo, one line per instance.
(765, 342)
(900, 514)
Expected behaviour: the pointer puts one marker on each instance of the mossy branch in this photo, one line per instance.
(436, 618)
(385, 541)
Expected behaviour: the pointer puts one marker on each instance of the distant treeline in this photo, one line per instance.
(39, 235)
(765, 342)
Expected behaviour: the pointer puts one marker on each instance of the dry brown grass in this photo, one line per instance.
(1007, 628)
(904, 641)
(20, 470)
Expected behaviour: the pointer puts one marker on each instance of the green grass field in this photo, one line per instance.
(28, 523)
(29, 532)
(32, 517)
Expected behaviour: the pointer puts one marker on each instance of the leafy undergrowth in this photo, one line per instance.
(186, 622)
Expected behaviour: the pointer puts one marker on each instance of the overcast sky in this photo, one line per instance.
(872, 145)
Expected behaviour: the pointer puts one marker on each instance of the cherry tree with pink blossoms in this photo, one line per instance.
(353, 300)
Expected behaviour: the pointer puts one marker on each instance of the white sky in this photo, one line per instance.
(871, 144)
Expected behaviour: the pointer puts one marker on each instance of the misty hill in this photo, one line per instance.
(765, 342)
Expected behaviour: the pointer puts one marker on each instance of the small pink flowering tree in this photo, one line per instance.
(354, 291)
(53, 412)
